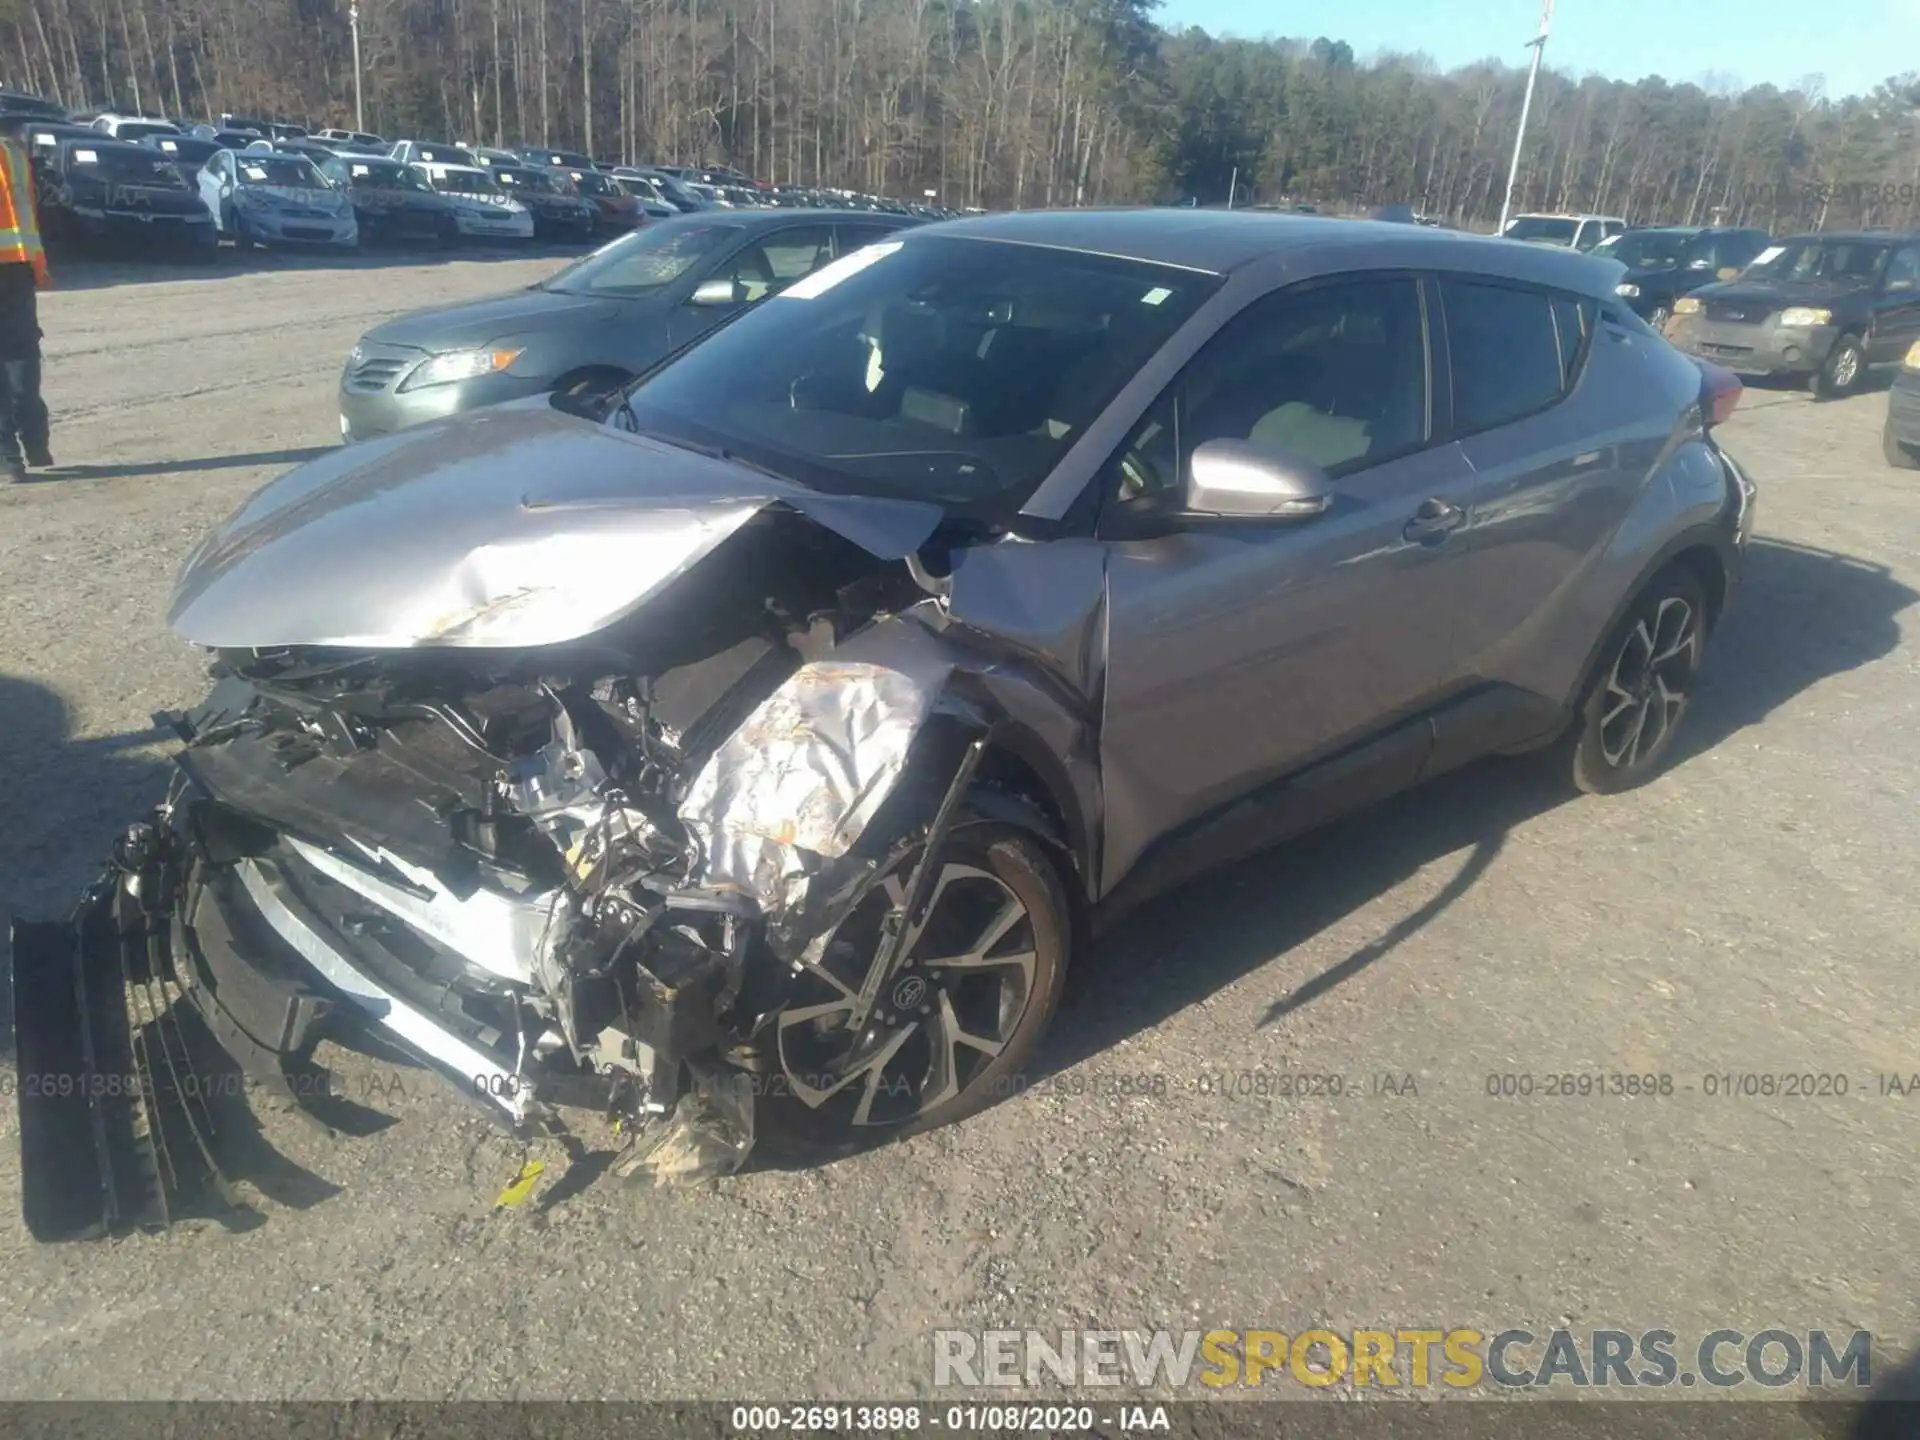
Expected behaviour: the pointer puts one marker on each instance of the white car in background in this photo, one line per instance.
(480, 207)
(1569, 232)
(132, 127)
(275, 197)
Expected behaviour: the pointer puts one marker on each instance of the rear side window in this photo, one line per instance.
(1505, 352)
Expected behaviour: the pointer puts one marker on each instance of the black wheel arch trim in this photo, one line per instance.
(1710, 537)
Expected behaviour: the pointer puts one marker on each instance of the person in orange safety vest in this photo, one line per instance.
(23, 273)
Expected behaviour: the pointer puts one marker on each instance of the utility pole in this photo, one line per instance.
(1537, 44)
(359, 108)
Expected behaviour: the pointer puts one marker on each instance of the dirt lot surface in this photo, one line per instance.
(1752, 912)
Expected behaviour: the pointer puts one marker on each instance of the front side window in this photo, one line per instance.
(1504, 349)
(943, 369)
(773, 263)
(1335, 375)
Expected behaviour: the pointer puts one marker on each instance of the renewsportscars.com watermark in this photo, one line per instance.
(1457, 1358)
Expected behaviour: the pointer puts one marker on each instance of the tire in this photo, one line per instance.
(238, 229)
(1658, 316)
(1845, 367)
(1899, 456)
(966, 1033)
(1644, 676)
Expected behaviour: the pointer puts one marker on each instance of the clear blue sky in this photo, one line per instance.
(1747, 42)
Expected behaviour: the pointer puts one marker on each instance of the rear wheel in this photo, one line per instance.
(854, 1058)
(1658, 317)
(1641, 687)
(1901, 457)
(1842, 372)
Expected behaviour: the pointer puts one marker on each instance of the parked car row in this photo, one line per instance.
(1827, 308)
(169, 184)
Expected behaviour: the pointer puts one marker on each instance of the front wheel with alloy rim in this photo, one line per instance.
(1658, 317)
(863, 1051)
(1845, 365)
(1641, 686)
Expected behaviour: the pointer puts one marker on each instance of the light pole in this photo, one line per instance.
(1537, 44)
(353, 22)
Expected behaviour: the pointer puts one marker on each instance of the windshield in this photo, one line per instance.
(290, 170)
(461, 180)
(539, 182)
(124, 167)
(1543, 227)
(134, 129)
(935, 369)
(384, 175)
(192, 153)
(1650, 249)
(1844, 262)
(644, 261)
(592, 182)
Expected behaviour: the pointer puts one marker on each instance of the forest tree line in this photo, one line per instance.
(997, 103)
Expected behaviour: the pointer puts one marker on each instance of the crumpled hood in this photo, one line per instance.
(509, 527)
(477, 322)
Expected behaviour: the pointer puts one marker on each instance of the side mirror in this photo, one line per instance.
(717, 292)
(1237, 479)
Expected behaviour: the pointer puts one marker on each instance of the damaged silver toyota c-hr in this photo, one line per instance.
(749, 761)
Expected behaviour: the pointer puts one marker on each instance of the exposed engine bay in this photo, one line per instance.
(577, 880)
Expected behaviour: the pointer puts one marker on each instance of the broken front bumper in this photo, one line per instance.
(190, 977)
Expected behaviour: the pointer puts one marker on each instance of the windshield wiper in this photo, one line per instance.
(712, 452)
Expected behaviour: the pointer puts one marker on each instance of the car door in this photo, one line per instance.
(214, 187)
(1247, 658)
(1896, 318)
(769, 262)
(1546, 412)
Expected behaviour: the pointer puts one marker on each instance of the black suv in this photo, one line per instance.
(1665, 262)
(1823, 306)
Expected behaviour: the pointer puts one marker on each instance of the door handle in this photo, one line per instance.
(1434, 520)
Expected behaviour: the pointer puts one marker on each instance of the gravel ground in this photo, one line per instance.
(1751, 912)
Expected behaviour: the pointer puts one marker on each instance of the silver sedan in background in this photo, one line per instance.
(268, 197)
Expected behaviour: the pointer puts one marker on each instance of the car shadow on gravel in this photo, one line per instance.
(1801, 616)
(177, 467)
(67, 799)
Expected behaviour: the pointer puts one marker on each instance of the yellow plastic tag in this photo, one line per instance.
(522, 1186)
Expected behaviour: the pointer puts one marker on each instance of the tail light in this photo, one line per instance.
(1720, 391)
